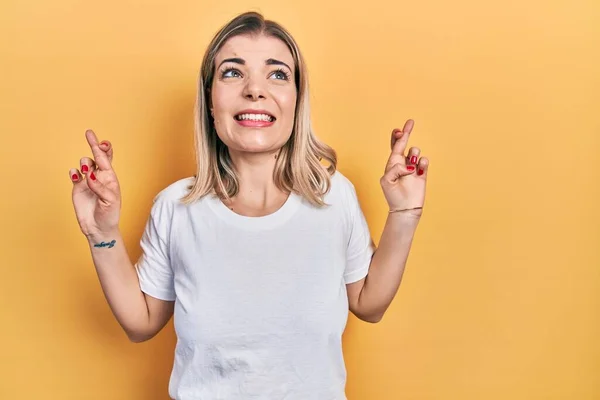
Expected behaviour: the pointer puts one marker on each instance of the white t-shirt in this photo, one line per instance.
(260, 302)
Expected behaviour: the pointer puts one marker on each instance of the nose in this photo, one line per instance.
(254, 90)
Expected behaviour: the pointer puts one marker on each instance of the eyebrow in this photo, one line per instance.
(270, 61)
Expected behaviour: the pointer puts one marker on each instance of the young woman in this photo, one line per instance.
(260, 255)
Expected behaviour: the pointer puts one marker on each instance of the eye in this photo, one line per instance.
(230, 73)
(281, 74)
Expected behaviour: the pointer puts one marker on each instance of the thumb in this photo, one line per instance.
(396, 172)
(96, 186)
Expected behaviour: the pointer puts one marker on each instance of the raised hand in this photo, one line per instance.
(97, 197)
(405, 175)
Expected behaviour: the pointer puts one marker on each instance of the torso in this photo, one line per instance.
(261, 301)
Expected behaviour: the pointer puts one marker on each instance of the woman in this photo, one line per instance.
(260, 255)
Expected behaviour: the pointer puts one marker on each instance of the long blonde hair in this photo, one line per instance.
(298, 167)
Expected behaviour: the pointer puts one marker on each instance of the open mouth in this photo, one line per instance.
(255, 117)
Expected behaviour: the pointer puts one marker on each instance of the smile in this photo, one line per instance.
(254, 117)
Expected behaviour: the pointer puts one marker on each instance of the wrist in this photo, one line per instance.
(409, 217)
(404, 209)
(103, 239)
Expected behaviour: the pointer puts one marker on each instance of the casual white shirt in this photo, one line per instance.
(260, 302)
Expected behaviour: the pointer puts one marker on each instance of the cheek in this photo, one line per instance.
(220, 99)
(288, 104)
(222, 109)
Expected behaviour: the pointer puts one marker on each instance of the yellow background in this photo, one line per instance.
(500, 299)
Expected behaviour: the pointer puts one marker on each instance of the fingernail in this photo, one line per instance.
(75, 177)
(84, 168)
(413, 160)
(103, 144)
(93, 176)
(420, 172)
(410, 168)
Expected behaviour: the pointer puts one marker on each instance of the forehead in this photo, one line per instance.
(255, 48)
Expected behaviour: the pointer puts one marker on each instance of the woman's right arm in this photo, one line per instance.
(97, 202)
(141, 316)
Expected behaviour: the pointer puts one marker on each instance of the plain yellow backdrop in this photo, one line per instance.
(500, 298)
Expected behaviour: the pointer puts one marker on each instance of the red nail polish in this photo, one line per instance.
(84, 168)
(420, 172)
(75, 177)
(93, 176)
(410, 168)
(413, 160)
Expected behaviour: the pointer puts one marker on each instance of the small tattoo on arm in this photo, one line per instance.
(104, 244)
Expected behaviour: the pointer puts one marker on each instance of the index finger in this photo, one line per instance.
(100, 157)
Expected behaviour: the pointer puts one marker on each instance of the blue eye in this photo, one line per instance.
(230, 73)
(281, 75)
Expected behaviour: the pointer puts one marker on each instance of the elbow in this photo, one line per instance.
(370, 315)
(373, 319)
(138, 337)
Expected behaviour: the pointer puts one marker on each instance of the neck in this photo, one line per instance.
(257, 190)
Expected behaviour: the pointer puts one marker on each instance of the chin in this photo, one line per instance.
(256, 142)
(255, 148)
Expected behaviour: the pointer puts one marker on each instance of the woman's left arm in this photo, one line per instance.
(403, 185)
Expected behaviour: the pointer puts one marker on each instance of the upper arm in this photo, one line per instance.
(154, 269)
(159, 313)
(354, 289)
(359, 251)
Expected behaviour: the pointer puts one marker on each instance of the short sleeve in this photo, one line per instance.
(360, 245)
(154, 265)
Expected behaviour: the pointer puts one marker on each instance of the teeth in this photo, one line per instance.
(254, 117)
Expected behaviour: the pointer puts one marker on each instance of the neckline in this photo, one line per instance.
(268, 221)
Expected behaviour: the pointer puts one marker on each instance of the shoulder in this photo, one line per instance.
(166, 202)
(341, 179)
(172, 193)
(342, 186)
(341, 194)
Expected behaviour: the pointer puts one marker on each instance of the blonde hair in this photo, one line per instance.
(298, 167)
